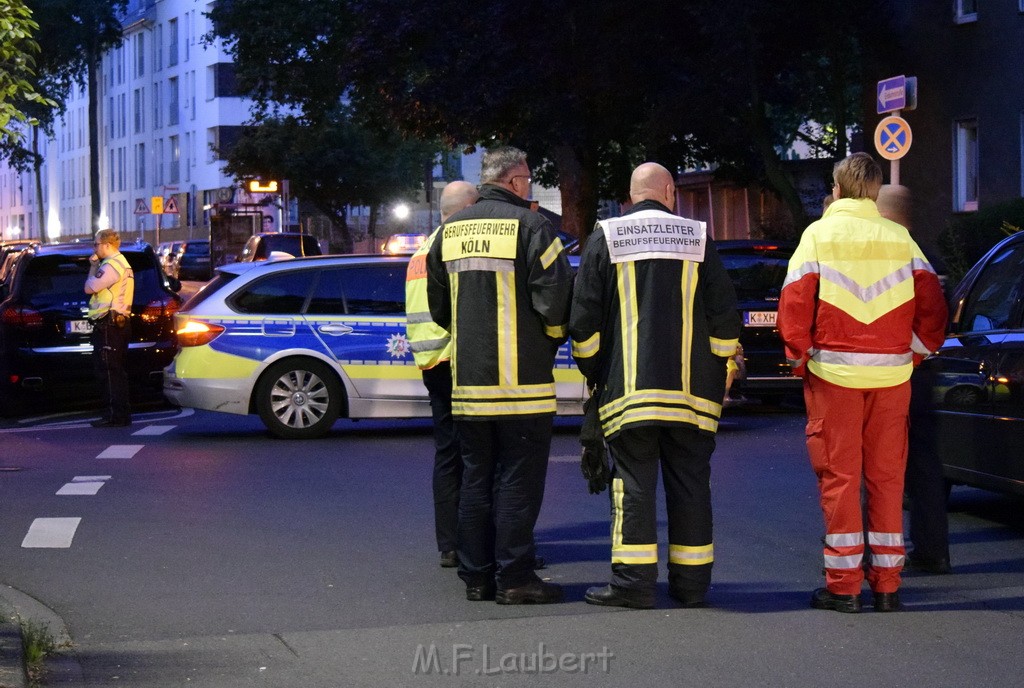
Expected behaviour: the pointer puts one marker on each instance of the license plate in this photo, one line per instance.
(759, 318)
(79, 327)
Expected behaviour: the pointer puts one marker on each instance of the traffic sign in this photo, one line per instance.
(892, 137)
(140, 207)
(892, 94)
(170, 206)
(157, 203)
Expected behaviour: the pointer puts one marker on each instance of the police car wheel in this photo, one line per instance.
(298, 399)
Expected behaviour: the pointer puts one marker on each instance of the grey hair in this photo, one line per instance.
(499, 162)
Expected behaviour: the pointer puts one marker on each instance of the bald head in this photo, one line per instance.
(652, 182)
(895, 203)
(455, 197)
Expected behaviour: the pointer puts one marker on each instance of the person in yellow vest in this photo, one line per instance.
(111, 283)
(432, 349)
(860, 307)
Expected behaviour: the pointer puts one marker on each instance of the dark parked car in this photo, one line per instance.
(758, 269)
(295, 244)
(45, 353)
(977, 377)
(193, 261)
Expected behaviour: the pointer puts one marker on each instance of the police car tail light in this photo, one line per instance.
(195, 333)
(22, 317)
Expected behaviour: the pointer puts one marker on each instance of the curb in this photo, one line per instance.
(62, 667)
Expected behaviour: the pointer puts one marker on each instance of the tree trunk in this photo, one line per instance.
(37, 167)
(577, 179)
(93, 60)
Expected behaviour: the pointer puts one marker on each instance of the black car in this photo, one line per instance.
(45, 352)
(758, 269)
(193, 261)
(295, 244)
(977, 377)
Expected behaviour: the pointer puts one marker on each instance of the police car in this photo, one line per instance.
(306, 341)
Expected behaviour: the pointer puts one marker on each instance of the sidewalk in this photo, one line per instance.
(12, 670)
(62, 669)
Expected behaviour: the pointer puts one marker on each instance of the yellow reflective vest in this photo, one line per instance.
(430, 343)
(117, 297)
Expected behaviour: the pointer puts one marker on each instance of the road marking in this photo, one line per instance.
(84, 422)
(84, 485)
(53, 533)
(120, 451)
(154, 430)
(564, 459)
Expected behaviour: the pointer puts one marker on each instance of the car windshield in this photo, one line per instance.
(197, 247)
(756, 276)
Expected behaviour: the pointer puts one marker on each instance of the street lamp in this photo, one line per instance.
(401, 212)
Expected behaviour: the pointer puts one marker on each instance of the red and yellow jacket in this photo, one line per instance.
(861, 305)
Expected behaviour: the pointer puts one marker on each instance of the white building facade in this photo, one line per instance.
(167, 102)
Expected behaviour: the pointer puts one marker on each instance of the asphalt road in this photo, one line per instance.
(208, 554)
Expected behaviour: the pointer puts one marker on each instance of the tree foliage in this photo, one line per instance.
(588, 88)
(332, 163)
(18, 54)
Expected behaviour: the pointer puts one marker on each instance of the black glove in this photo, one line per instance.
(594, 458)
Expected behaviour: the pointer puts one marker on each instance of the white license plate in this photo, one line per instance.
(79, 327)
(759, 318)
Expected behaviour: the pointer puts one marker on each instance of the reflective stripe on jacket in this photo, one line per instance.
(430, 343)
(499, 281)
(654, 334)
(118, 297)
(861, 302)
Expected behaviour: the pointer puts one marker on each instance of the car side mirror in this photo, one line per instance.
(174, 283)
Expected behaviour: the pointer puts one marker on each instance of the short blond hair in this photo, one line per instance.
(858, 176)
(108, 236)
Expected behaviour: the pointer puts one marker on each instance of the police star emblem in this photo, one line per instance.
(398, 345)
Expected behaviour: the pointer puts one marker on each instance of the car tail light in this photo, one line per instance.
(196, 333)
(22, 317)
(158, 309)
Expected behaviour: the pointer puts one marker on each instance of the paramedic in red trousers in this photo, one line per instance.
(111, 284)
(653, 323)
(499, 281)
(432, 348)
(860, 307)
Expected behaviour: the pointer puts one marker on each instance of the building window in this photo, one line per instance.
(158, 176)
(965, 11)
(158, 49)
(965, 166)
(172, 101)
(140, 54)
(174, 174)
(221, 81)
(140, 166)
(172, 42)
(138, 110)
(188, 156)
(122, 111)
(158, 115)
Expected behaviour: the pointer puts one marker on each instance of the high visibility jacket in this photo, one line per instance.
(430, 343)
(654, 334)
(499, 281)
(118, 295)
(860, 304)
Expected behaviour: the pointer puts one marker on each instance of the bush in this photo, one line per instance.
(966, 238)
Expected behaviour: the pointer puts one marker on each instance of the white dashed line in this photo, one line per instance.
(120, 451)
(154, 430)
(84, 485)
(54, 533)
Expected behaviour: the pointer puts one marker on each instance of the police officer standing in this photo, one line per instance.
(498, 280)
(653, 323)
(432, 348)
(111, 283)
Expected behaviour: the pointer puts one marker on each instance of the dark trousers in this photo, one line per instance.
(110, 360)
(447, 479)
(505, 465)
(684, 456)
(925, 484)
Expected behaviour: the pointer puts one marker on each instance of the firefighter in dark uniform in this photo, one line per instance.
(653, 323)
(111, 284)
(499, 281)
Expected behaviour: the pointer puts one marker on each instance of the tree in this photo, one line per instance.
(587, 88)
(18, 51)
(332, 164)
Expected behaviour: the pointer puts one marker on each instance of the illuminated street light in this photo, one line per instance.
(401, 211)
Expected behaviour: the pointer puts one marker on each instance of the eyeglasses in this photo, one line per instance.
(98, 243)
(528, 178)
